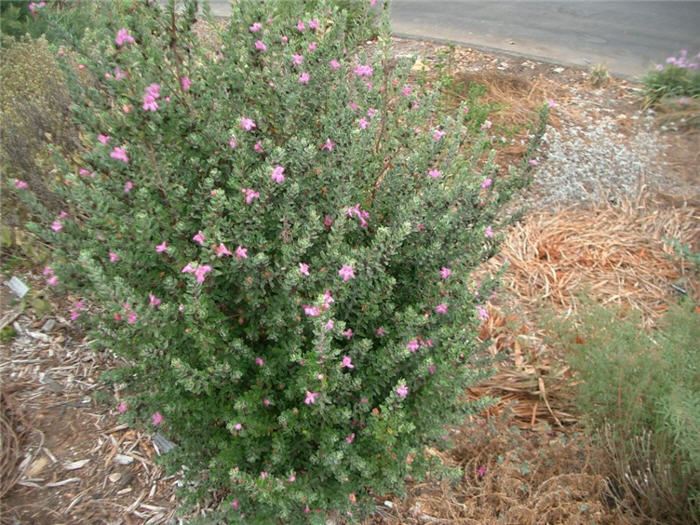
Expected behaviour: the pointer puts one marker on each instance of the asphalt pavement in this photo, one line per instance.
(628, 36)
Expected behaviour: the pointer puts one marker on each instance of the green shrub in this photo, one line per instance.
(679, 78)
(278, 236)
(645, 387)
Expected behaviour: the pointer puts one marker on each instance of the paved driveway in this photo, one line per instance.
(629, 36)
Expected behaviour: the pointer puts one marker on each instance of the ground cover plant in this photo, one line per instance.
(278, 235)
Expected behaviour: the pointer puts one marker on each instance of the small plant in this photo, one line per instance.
(678, 78)
(644, 388)
(599, 75)
(277, 234)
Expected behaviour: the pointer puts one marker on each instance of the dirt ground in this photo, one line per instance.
(523, 462)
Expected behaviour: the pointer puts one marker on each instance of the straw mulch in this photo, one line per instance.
(13, 430)
(616, 255)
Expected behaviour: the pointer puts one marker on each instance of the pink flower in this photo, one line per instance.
(56, 226)
(85, 173)
(201, 272)
(304, 78)
(300, 26)
(284, 39)
(327, 299)
(313, 46)
(346, 272)
(307, 510)
(180, 307)
(489, 232)
(160, 248)
(313, 24)
(188, 268)
(149, 103)
(267, 402)
(104, 139)
(255, 27)
(233, 143)
(113, 257)
(350, 438)
(258, 147)
(123, 37)
(438, 134)
(247, 124)
(533, 162)
(327, 221)
(412, 345)
(47, 270)
(551, 103)
(221, 250)
(241, 252)
(157, 418)
(329, 145)
(199, 238)
(52, 281)
(481, 471)
(304, 268)
(371, 112)
(310, 397)
(127, 186)
(131, 317)
(329, 325)
(335, 64)
(297, 60)
(311, 311)
(33, 6)
(402, 391)
(153, 300)
(380, 331)
(63, 214)
(364, 123)
(250, 195)
(21, 185)
(441, 309)
(118, 74)
(487, 125)
(347, 363)
(445, 272)
(292, 478)
(431, 369)
(234, 504)
(119, 154)
(434, 174)
(486, 183)
(319, 377)
(348, 333)
(363, 71)
(353, 106)
(406, 91)
(185, 82)
(277, 174)
(482, 313)
(259, 361)
(122, 407)
(74, 315)
(260, 46)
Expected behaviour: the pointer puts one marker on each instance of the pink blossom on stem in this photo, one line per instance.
(445, 272)
(199, 238)
(233, 143)
(346, 272)
(292, 478)
(313, 24)
(259, 361)
(438, 134)
(153, 300)
(304, 268)
(241, 252)
(250, 195)
(329, 145)
(363, 70)
(311, 311)
(300, 26)
(255, 27)
(348, 333)
(104, 139)
(487, 125)
(260, 46)
(486, 183)
(119, 154)
(304, 78)
(412, 345)
(185, 82)
(380, 331)
(258, 147)
(350, 438)
(347, 362)
(52, 281)
(56, 226)
(441, 309)
(363, 123)
(313, 46)
(113, 257)
(21, 185)
(221, 250)
(47, 270)
(119, 74)
(157, 418)
(122, 407)
(237, 426)
(329, 325)
(406, 91)
(327, 221)
(402, 391)
(131, 317)
(434, 174)
(335, 64)
(482, 313)
(247, 124)
(489, 232)
(533, 162)
(310, 397)
(551, 103)
(353, 106)
(160, 248)
(277, 174)
(123, 37)
(431, 369)
(201, 272)
(297, 60)
(188, 268)
(127, 186)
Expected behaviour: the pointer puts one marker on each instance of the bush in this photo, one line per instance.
(278, 237)
(645, 388)
(679, 78)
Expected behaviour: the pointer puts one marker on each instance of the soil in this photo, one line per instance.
(78, 464)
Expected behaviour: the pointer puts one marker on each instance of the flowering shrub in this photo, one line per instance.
(278, 237)
(678, 78)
